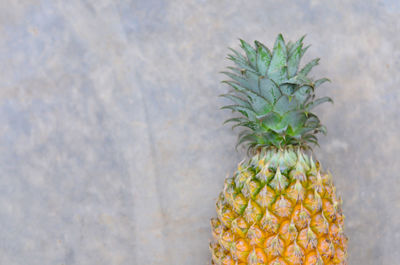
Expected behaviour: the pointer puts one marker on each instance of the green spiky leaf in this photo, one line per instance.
(238, 119)
(321, 81)
(296, 120)
(317, 102)
(238, 100)
(250, 53)
(263, 58)
(285, 104)
(269, 90)
(295, 53)
(307, 68)
(302, 94)
(277, 70)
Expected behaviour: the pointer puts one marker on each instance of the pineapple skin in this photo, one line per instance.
(279, 208)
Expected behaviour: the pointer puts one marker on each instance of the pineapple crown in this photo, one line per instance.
(274, 96)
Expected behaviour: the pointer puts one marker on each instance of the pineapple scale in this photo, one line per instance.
(279, 208)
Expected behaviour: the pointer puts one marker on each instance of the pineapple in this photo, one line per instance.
(279, 207)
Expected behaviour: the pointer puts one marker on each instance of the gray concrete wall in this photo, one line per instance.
(112, 148)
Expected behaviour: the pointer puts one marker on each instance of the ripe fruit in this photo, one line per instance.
(279, 207)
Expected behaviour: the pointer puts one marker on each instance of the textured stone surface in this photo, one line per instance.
(112, 149)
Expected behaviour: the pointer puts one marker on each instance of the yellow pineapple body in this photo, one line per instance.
(270, 212)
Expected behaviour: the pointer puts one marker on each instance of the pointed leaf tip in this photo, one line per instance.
(307, 68)
(317, 102)
(280, 37)
(277, 70)
(263, 57)
(250, 52)
(321, 81)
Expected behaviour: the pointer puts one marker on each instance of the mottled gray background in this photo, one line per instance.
(112, 149)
